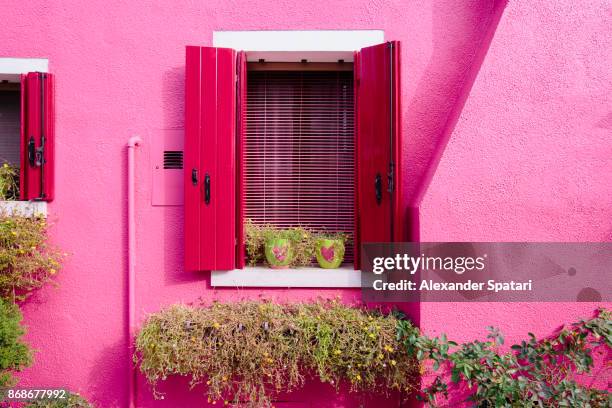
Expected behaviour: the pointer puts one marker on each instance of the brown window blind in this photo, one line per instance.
(299, 150)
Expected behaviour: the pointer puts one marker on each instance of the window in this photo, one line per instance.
(236, 167)
(27, 126)
(10, 123)
(299, 154)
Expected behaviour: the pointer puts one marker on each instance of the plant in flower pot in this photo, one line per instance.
(280, 248)
(329, 250)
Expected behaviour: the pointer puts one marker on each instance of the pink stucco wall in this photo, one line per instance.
(507, 113)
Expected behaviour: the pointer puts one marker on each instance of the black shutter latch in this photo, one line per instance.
(32, 151)
(207, 189)
(378, 188)
(194, 176)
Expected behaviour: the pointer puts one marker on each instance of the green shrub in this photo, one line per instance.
(9, 182)
(73, 400)
(26, 260)
(251, 351)
(14, 354)
(536, 373)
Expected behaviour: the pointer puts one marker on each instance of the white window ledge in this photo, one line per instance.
(24, 208)
(262, 276)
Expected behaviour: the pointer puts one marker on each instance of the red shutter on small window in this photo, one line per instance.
(210, 158)
(378, 139)
(37, 137)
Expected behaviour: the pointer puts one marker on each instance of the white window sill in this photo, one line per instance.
(262, 276)
(24, 208)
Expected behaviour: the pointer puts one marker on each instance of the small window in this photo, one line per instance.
(299, 149)
(10, 122)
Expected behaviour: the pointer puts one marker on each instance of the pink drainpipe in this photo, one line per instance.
(133, 142)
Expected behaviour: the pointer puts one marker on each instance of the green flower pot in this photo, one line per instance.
(279, 253)
(329, 253)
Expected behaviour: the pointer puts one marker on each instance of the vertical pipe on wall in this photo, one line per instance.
(133, 142)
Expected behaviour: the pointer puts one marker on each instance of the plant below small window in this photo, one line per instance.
(252, 351)
(329, 250)
(9, 182)
(27, 262)
(15, 355)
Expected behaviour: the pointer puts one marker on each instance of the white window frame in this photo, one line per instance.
(287, 46)
(11, 70)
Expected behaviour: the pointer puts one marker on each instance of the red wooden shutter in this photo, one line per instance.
(210, 158)
(378, 144)
(37, 137)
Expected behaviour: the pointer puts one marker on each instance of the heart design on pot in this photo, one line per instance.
(280, 253)
(328, 253)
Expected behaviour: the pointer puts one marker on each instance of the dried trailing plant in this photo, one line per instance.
(26, 260)
(9, 182)
(335, 236)
(251, 351)
(15, 355)
(535, 373)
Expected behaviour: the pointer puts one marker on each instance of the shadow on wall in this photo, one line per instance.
(460, 44)
(108, 373)
(173, 96)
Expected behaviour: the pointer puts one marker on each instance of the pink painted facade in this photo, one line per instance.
(507, 124)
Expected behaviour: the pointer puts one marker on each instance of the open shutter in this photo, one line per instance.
(37, 137)
(378, 144)
(210, 158)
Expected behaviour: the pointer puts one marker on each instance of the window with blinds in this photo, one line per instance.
(299, 150)
(10, 124)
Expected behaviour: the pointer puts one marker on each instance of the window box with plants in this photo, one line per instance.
(293, 247)
(250, 352)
